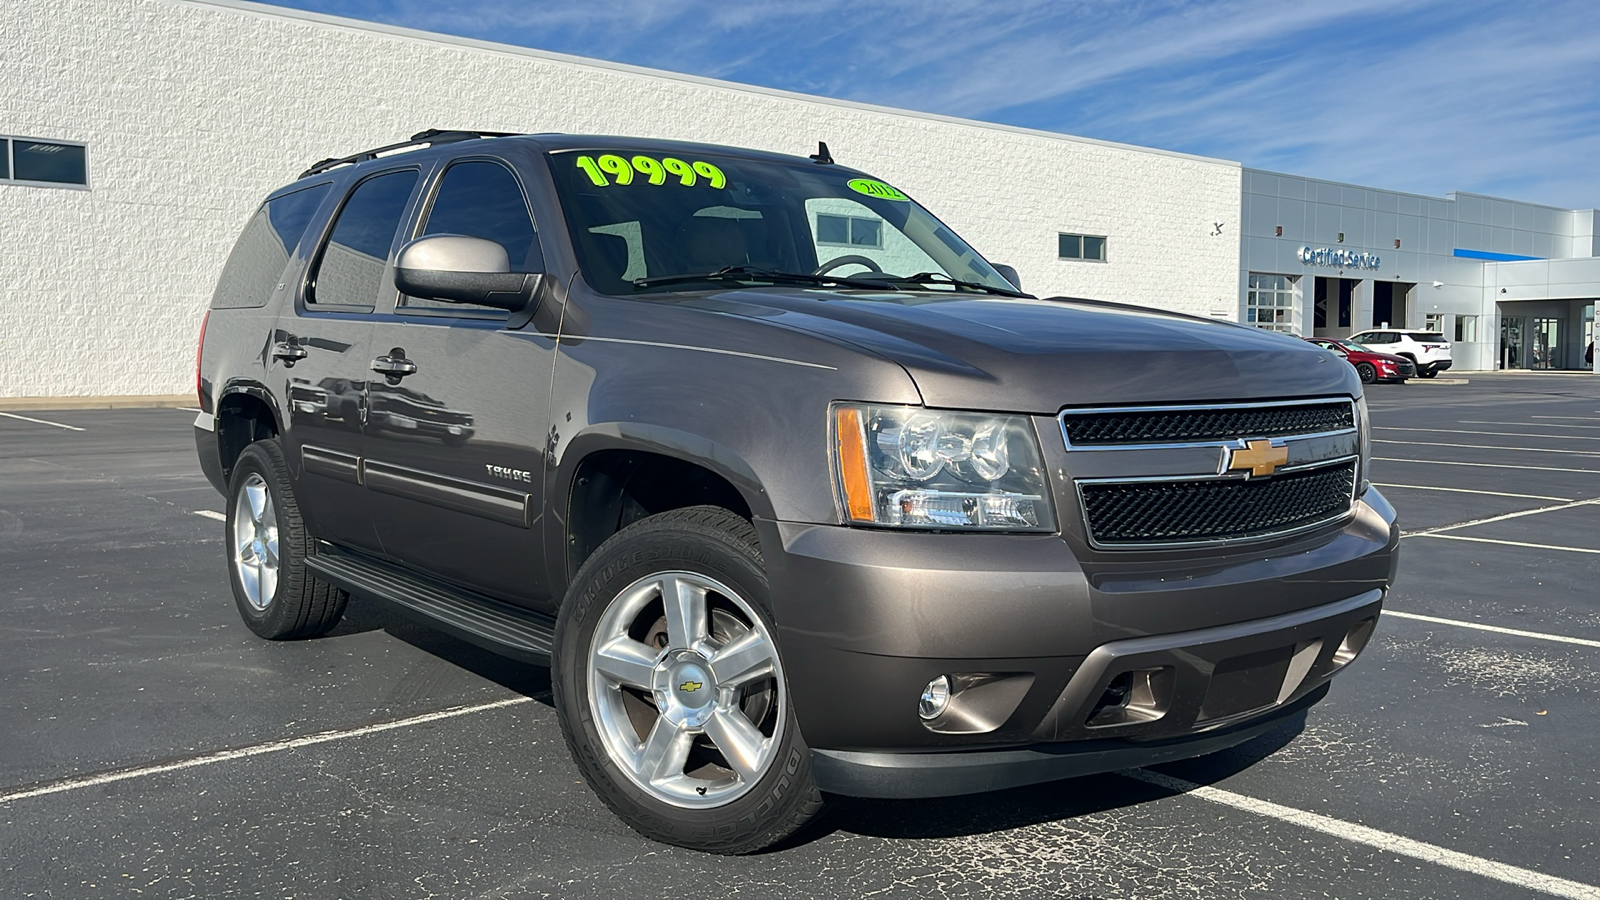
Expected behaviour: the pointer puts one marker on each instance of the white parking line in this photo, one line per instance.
(1462, 537)
(1540, 424)
(1380, 840)
(1500, 518)
(1444, 462)
(1479, 626)
(212, 514)
(190, 409)
(1426, 487)
(1579, 418)
(83, 781)
(1521, 434)
(40, 421)
(1486, 447)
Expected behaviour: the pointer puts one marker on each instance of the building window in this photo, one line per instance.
(1269, 303)
(1467, 329)
(849, 231)
(1432, 322)
(29, 161)
(1081, 246)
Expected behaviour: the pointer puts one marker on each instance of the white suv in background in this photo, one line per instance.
(1428, 349)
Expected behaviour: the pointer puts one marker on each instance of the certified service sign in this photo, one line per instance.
(1343, 259)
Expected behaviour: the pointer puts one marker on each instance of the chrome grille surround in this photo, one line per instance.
(1201, 464)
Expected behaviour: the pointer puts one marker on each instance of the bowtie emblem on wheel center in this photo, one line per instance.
(1259, 458)
(690, 686)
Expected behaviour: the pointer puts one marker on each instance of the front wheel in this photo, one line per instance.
(671, 689)
(1368, 373)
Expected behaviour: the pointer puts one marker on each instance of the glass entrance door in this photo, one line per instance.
(1546, 351)
(1512, 331)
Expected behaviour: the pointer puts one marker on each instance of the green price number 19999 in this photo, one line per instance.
(652, 170)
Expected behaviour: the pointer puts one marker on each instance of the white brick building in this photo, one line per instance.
(189, 111)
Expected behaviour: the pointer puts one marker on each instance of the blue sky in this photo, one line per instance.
(1489, 97)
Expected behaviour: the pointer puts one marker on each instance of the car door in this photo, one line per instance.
(323, 345)
(455, 448)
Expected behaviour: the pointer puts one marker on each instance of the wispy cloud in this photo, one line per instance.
(1427, 96)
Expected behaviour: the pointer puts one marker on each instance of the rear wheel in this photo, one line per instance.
(1368, 373)
(267, 546)
(1427, 372)
(671, 689)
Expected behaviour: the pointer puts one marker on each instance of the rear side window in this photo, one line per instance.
(479, 198)
(349, 271)
(256, 265)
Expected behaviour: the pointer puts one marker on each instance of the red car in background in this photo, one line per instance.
(1370, 364)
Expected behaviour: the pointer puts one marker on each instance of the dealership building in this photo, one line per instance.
(137, 137)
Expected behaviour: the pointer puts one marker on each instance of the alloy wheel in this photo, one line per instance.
(255, 541)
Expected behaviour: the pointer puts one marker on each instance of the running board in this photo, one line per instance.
(512, 631)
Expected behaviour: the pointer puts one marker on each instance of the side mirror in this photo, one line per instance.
(1008, 273)
(460, 269)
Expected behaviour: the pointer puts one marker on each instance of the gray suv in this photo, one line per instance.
(793, 491)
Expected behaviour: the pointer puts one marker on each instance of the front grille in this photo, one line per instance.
(1406, 369)
(1221, 423)
(1178, 512)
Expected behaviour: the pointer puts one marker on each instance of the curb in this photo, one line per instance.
(145, 401)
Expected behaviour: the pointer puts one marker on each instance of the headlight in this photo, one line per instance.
(911, 467)
(1364, 441)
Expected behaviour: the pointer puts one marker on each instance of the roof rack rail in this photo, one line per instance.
(426, 138)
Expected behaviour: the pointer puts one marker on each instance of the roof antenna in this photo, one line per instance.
(822, 156)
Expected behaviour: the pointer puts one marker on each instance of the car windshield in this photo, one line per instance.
(1352, 345)
(643, 222)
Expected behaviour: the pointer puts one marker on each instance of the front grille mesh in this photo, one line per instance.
(1188, 511)
(1218, 424)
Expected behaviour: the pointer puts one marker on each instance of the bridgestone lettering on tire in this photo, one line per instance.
(671, 690)
(267, 545)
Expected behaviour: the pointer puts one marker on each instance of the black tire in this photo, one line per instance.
(1428, 372)
(1368, 373)
(714, 543)
(300, 606)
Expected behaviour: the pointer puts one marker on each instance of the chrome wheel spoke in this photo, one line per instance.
(664, 752)
(685, 604)
(741, 743)
(250, 575)
(743, 659)
(626, 662)
(268, 579)
(256, 500)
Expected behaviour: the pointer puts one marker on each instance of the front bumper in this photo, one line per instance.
(1204, 648)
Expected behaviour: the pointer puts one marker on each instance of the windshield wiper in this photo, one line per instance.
(752, 273)
(940, 278)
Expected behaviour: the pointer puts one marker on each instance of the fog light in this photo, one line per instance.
(935, 698)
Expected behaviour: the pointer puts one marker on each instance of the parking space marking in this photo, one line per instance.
(211, 514)
(1427, 487)
(190, 409)
(1486, 447)
(1580, 418)
(206, 759)
(1425, 532)
(1571, 437)
(1446, 462)
(1462, 537)
(40, 421)
(1380, 840)
(1540, 424)
(1479, 626)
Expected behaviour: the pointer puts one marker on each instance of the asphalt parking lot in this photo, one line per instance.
(151, 746)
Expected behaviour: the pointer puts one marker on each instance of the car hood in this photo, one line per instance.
(1037, 356)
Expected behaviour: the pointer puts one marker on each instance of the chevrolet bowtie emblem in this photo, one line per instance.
(690, 686)
(1260, 458)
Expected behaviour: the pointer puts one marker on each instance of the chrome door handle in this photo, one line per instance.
(288, 352)
(394, 367)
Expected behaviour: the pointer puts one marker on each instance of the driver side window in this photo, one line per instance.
(843, 229)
